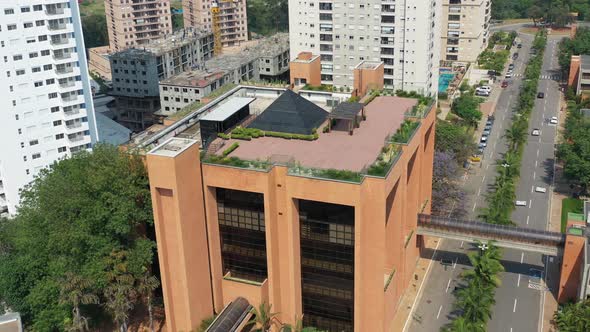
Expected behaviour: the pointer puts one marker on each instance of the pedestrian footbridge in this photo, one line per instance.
(504, 236)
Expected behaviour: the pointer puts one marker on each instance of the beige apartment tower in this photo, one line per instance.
(233, 20)
(132, 23)
(465, 29)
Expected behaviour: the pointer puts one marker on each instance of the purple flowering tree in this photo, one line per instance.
(448, 198)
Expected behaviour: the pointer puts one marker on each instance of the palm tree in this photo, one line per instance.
(75, 292)
(486, 266)
(516, 135)
(263, 319)
(573, 317)
(460, 324)
(119, 295)
(146, 285)
(475, 301)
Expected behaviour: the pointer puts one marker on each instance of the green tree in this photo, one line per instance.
(573, 317)
(461, 324)
(95, 32)
(146, 284)
(71, 218)
(467, 107)
(516, 135)
(298, 327)
(454, 139)
(475, 301)
(536, 13)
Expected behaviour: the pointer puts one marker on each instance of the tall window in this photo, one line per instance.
(327, 265)
(242, 234)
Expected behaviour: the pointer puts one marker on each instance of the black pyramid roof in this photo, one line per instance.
(291, 113)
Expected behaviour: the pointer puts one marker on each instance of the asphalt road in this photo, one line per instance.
(518, 300)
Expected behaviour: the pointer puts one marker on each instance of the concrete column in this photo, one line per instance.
(179, 215)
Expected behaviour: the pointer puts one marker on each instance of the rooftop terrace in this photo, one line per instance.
(336, 149)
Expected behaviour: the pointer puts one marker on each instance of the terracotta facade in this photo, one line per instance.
(386, 246)
(305, 69)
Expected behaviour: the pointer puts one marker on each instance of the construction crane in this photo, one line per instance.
(215, 11)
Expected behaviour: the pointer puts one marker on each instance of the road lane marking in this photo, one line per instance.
(527, 220)
(536, 161)
(533, 189)
(537, 152)
(530, 203)
(479, 192)
(474, 205)
(513, 308)
(439, 310)
(521, 257)
(483, 179)
(518, 282)
(448, 285)
(534, 175)
(461, 244)
(455, 262)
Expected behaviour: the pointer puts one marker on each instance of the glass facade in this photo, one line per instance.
(327, 265)
(242, 234)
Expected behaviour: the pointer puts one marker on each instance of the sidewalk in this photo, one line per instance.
(560, 191)
(413, 293)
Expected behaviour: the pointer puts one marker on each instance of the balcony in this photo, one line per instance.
(54, 11)
(62, 55)
(71, 110)
(64, 70)
(68, 98)
(76, 137)
(56, 26)
(65, 83)
(73, 124)
(59, 41)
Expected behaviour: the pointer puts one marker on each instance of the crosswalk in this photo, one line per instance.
(537, 287)
(555, 77)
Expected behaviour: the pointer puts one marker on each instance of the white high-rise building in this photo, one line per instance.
(404, 34)
(46, 110)
(465, 29)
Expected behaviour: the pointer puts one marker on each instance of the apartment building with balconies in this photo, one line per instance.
(47, 111)
(465, 29)
(136, 72)
(403, 34)
(233, 18)
(136, 22)
(323, 229)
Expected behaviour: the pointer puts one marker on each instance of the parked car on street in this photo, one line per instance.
(536, 132)
(485, 133)
(520, 203)
(541, 95)
(553, 120)
(540, 189)
(508, 75)
(504, 84)
(515, 56)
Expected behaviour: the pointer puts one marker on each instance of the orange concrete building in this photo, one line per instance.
(305, 69)
(322, 229)
(368, 76)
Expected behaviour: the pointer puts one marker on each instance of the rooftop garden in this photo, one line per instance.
(323, 87)
(389, 154)
(405, 132)
(332, 174)
(186, 110)
(236, 162)
(248, 134)
(223, 89)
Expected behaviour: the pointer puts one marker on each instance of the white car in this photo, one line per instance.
(484, 139)
(520, 203)
(553, 120)
(536, 132)
(540, 189)
(485, 88)
(508, 75)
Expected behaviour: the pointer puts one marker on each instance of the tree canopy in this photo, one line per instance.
(85, 219)
(556, 11)
(271, 16)
(467, 107)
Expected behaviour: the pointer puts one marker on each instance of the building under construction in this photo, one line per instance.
(227, 18)
(134, 72)
(263, 59)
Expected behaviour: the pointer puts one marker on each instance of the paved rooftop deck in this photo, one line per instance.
(336, 149)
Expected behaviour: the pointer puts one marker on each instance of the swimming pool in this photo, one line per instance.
(443, 81)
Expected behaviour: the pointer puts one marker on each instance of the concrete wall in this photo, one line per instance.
(98, 61)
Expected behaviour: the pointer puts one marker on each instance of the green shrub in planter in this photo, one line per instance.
(326, 129)
(242, 137)
(230, 149)
(222, 135)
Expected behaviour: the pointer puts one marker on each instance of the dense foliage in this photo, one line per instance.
(573, 317)
(489, 59)
(551, 10)
(500, 202)
(454, 139)
(467, 107)
(270, 16)
(94, 23)
(78, 246)
(580, 44)
(475, 298)
(574, 151)
(448, 198)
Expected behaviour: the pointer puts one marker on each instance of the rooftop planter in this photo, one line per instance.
(405, 132)
(389, 155)
(323, 87)
(260, 165)
(328, 174)
(421, 109)
(249, 133)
